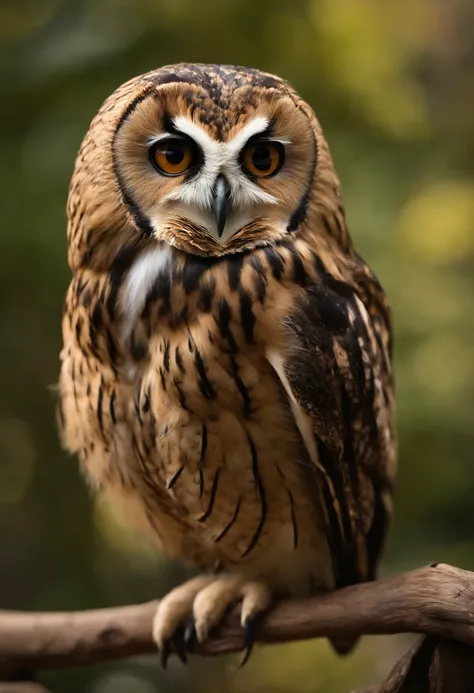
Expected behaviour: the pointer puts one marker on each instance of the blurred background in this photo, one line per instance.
(392, 85)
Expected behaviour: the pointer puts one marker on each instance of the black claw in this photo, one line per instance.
(179, 645)
(165, 652)
(190, 633)
(250, 627)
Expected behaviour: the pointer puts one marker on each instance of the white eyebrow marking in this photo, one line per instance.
(187, 127)
(225, 150)
(157, 138)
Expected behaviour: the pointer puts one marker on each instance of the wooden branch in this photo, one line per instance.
(436, 600)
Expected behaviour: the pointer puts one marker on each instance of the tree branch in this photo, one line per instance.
(436, 600)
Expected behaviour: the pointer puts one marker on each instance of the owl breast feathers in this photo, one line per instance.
(226, 369)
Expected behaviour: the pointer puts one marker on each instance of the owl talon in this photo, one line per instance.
(165, 651)
(192, 612)
(179, 645)
(249, 626)
(190, 633)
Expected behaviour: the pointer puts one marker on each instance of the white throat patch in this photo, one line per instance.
(145, 271)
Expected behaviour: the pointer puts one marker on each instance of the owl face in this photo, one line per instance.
(214, 159)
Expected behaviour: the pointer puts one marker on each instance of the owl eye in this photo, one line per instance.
(263, 159)
(173, 156)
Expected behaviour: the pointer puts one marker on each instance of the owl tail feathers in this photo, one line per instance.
(344, 645)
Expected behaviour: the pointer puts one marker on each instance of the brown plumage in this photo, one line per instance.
(226, 370)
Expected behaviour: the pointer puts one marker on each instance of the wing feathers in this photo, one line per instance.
(332, 374)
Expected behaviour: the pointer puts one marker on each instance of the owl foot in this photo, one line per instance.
(193, 610)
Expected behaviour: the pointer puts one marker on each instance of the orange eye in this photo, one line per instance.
(173, 156)
(263, 158)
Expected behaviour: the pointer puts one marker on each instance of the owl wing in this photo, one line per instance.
(337, 375)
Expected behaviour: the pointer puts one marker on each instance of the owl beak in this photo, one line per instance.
(220, 202)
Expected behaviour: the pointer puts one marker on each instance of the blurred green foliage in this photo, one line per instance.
(392, 85)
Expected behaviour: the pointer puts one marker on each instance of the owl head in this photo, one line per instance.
(209, 159)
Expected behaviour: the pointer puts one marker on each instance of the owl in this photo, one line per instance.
(226, 367)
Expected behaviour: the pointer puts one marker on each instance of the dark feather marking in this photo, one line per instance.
(261, 492)
(275, 262)
(340, 226)
(95, 323)
(162, 378)
(299, 272)
(256, 263)
(234, 270)
(332, 466)
(100, 397)
(78, 329)
(182, 317)
(331, 309)
(327, 225)
(137, 349)
(205, 386)
(319, 266)
(206, 294)
(146, 477)
(146, 402)
(112, 407)
(96, 317)
(175, 478)
(230, 523)
(349, 455)
(301, 212)
(87, 298)
(340, 287)
(293, 518)
(260, 280)
(342, 551)
(111, 350)
(166, 355)
(79, 287)
(247, 317)
(212, 498)
(260, 288)
(194, 269)
(141, 221)
(179, 360)
(223, 323)
(160, 291)
(131, 107)
(202, 457)
(136, 405)
(181, 395)
(244, 393)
